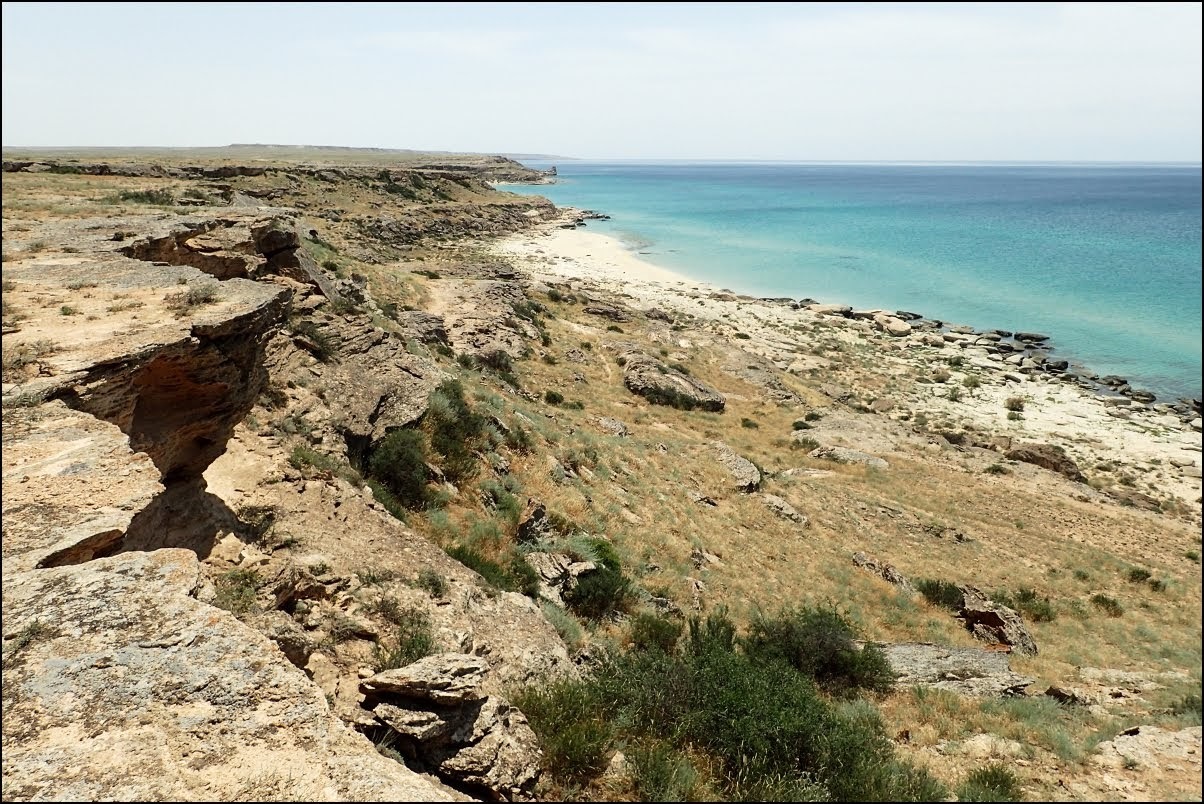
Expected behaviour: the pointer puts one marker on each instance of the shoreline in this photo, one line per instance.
(626, 261)
(1095, 427)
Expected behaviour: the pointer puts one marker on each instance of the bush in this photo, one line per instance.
(415, 639)
(680, 368)
(555, 295)
(1015, 404)
(940, 593)
(954, 394)
(650, 632)
(766, 731)
(1138, 575)
(1107, 605)
(431, 582)
(185, 300)
(501, 364)
(995, 782)
(456, 431)
(599, 593)
(567, 717)
(237, 590)
(669, 397)
(818, 642)
(659, 773)
(553, 397)
(399, 464)
(1026, 601)
(997, 469)
(813, 416)
(515, 576)
(749, 423)
(614, 328)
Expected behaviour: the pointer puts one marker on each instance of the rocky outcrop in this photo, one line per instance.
(449, 221)
(1047, 456)
(783, 509)
(886, 572)
(482, 319)
(442, 719)
(745, 474)
(995, 623)
(661, 385)
(558, 573)
(966, 671)
(374, 383)
(846, 455)
(118, 659)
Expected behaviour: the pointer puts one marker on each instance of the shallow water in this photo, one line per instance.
(1106, 259)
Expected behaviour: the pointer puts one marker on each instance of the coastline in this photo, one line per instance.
(1093, 427)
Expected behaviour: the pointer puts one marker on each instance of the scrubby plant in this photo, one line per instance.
(237, 590)
(614, 328)
(995, 782)
(553, 397)
(1138, 575)
(455, 430)
(940, 593)
(1029, 603)
(819, 642)
(431, 582)
(765, 729)
(414, 639)
(514, 576)
(749, 423)
(399, 464)
(1107, 605)
(650, 632)
(599, 593)
(1015, 404)
(197, 295)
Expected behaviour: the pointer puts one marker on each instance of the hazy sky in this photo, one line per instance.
(816, 81)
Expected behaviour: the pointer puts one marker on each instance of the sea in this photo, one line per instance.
(1104, 258)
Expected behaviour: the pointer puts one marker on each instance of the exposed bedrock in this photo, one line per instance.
(179, 402)
(119, 684)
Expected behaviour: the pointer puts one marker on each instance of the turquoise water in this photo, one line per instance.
(1106, 259)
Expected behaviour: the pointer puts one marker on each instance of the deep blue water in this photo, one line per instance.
(1106, 259)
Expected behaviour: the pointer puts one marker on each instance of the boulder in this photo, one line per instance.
(974, 672)
(612, 427)
(783, 509)
(558, 573)
(846, 455)
(892, 326)
(992, 622)
(422, 327)
(745, 474)
(1047, 456)
(886, 572)
(123, 686)
(444, 678)
(661, 385)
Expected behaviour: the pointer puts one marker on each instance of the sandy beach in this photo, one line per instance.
(1138, 441)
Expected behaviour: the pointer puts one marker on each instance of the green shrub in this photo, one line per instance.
(650, 632)
(680, 368)
(555, 295)
(614, 328)
(741, 336)
(995, 782)
(399, 464)
(553, 397)
(573, 732)
(599, 593)
(997, 469)
(669, 397)
(1107, 605)
(501, 364)
(818, 642)
(456, 431)
(659, 773)
(566, 625)
(813, 416)
(940, 593)
(1192, 555)
(1027, 602)
(1138, 575)
(954, 394)
(237, 590)
(800, 424)
(749, 423)
(515, 576)
(431, 582)
(806, 444)
(414, 639)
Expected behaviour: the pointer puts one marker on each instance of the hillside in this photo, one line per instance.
(347, 476)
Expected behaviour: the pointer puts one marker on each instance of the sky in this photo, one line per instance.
(841, 82)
